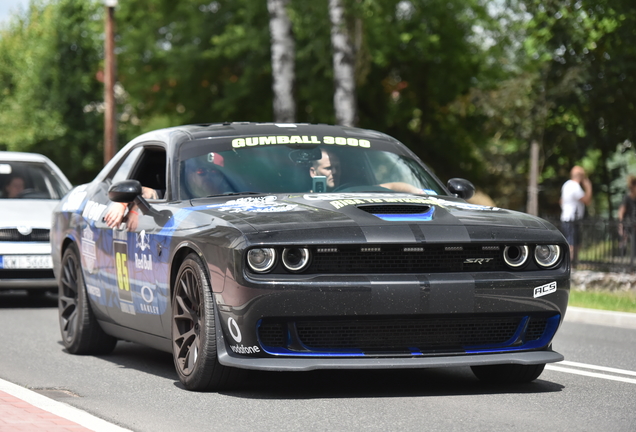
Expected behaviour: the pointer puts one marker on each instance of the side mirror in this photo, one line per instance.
(461, 188)
(128, 191)
(125, 191)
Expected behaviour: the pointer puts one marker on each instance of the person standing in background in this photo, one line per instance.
(627, 214)
(576, 193)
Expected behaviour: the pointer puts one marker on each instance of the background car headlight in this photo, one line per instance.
(547, 255)
(295, 259)
(261, 260)
(515, 256)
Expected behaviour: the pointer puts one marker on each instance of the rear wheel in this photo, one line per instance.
(508, 373)
(81, 334)
(194, 331)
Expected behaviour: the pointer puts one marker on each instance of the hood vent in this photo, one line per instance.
(400, 212)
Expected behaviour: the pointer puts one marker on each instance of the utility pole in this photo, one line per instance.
(533, 186)
(110, 127)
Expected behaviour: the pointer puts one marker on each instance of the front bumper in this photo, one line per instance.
(44, 284)
(227, 358)
(26, 278)
(388, 321)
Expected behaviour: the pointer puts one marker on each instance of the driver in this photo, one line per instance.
(14, 187)
(204, 178)
(329, 166)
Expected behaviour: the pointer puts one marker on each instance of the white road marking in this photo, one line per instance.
(601, 368)
(593, 374)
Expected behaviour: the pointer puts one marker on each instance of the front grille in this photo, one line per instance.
(423, 333)
(536, 327)
(394, 209)
(27, 274)
(13, 235)
(393, 259)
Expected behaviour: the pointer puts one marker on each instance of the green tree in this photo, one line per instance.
(49, 59)
(189, 62)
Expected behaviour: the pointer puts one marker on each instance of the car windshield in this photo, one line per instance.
(29, 180)
(223, 166)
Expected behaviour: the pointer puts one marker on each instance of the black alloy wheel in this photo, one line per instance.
(81, 333)
(194, 331)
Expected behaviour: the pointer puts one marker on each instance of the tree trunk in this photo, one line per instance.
(533, 187)
(343, 66)
(283, 56)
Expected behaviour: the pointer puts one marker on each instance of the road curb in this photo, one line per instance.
(59, 409)
(601, 317)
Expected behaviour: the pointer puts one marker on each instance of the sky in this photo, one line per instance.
(9, 6)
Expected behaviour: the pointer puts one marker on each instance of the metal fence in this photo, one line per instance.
(605, 245)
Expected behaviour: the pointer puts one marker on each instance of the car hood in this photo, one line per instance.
(386, 215)
(29, 213)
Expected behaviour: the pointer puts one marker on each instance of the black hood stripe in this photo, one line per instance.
(445, 234)
(417, 233)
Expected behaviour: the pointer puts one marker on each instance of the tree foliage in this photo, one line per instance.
(466, 84)
(49, 58)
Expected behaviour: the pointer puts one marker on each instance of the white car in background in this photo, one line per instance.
(31, 185)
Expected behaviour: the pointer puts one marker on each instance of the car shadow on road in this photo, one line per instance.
(131, 355)
(22, 299)
(323, 384)
(377, 383)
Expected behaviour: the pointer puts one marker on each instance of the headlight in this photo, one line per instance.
(547, 255)
(261, 260)
(515, 256)
(295, 259)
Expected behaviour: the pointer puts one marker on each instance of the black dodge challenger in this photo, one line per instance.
(293, 247)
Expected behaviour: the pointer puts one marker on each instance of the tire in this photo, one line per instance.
(508, 373)
(81, 333)
(194, 331)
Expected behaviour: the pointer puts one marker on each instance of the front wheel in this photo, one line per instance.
(508, 373)
(194, 331)
(81, 333)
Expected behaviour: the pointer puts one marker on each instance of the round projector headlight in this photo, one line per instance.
(295, 259)
(515, 256)
(547, 255)
(261, 260)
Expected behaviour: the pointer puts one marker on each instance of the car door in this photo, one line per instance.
(127, 271)
(141, 261)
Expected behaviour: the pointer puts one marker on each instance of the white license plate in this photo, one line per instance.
(26, 262)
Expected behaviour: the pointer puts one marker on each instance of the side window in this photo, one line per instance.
(151, 169)
(126, 166)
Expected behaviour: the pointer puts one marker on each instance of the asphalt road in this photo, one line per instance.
(137, 387)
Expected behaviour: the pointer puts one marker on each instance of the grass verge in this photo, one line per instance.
(613, 301)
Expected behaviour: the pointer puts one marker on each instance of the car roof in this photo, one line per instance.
(11, 156)
(179, 134)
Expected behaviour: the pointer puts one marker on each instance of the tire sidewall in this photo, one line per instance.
(73, 344)
(199, 378)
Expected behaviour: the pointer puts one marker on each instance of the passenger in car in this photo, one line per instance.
(203, 176)
(118, 211)
(329, 166)
(14, 187)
